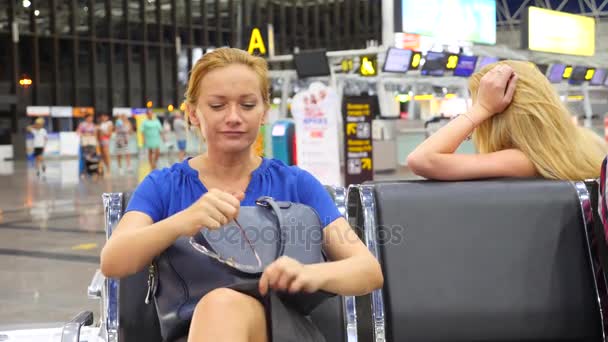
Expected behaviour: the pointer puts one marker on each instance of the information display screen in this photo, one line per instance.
(556, 72)
(486, 60)
(598, 77)
(434, 64)
(542, 68)
(466, 66)
(578, 75)
(558, 32)
(451, 20)
(397, 60)
(311, 64)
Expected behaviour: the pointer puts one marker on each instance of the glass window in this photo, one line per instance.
(168, 83)
(45, 50)
(6, 71)
(118, 19)
(119, 79)
(165, 6)
(82, 19)
(63, 17)
(22, 11)
(100, 18)
(135, 72)
(4, 25)
(42, 15)
(66, 71)
(85, 94)
(152, 76)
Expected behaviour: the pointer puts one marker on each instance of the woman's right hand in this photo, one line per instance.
(496, 89)
(213, 210)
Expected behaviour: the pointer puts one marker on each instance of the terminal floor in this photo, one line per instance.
(51, 234)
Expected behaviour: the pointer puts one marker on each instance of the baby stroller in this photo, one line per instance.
(92, 160)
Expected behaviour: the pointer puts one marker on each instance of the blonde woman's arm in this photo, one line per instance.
(435, 157)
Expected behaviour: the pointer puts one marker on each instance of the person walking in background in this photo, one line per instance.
(179, 128)
(123, 134)
(168, 137)
(88, 141)
(40, 140)
(152, 130)
(105, 133)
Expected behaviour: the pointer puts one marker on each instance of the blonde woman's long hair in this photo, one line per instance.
(539, 124)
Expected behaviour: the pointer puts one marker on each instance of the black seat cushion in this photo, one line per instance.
(500, 260)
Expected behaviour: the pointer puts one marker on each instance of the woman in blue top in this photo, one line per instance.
(227, 99)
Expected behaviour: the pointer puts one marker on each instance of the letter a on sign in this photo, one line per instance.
(256, 42)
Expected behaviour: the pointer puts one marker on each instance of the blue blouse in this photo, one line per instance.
(166, 192)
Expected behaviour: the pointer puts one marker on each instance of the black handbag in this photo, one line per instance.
(182, 275)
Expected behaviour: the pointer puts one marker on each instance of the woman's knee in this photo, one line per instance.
(227, 299)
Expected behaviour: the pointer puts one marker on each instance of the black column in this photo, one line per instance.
(144, 52)
(110, 70)
(93, 52)
(73, 26)
(127, 54)
(174, 80)
(35, 56)
(55, 52)
(16, 108)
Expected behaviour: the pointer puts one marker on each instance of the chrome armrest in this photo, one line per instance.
(71, 330)
(95, 288)
(349, 309)
(364, 195)
(113, 209)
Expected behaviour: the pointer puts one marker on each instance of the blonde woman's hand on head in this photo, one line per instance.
(213, 210)
(496, 91)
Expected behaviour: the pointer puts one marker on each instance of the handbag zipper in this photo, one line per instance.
(151, 281)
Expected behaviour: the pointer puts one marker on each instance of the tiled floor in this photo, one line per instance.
(51, 234)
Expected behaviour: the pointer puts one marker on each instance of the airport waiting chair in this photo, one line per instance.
(126, 318)
(493, 260)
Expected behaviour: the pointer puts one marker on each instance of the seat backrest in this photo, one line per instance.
(139, 321)
(495, 260)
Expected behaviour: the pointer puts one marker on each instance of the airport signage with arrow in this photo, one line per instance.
(358, 113)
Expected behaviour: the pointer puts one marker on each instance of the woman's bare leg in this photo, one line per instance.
(151, 159)
(228, 315)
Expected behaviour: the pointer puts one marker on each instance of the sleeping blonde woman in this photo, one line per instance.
(520, 128)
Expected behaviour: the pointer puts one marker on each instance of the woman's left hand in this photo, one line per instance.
(287, 274)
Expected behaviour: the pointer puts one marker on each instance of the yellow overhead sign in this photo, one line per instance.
(368, 66)
(567, 72)
(256, 42)
(559, 32)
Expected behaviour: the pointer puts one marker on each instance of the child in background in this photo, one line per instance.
(123, 133)
(40, 140)
(179, 127)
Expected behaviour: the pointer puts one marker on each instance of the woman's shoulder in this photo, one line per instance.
(289, 173)
(277, 166)
(174, 174)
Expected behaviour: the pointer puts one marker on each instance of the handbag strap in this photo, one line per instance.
(269, 203)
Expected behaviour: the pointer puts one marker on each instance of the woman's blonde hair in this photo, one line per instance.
(220, 58)
(539, 124)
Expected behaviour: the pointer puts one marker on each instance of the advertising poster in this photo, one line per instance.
(358, 147)
(316, 113)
